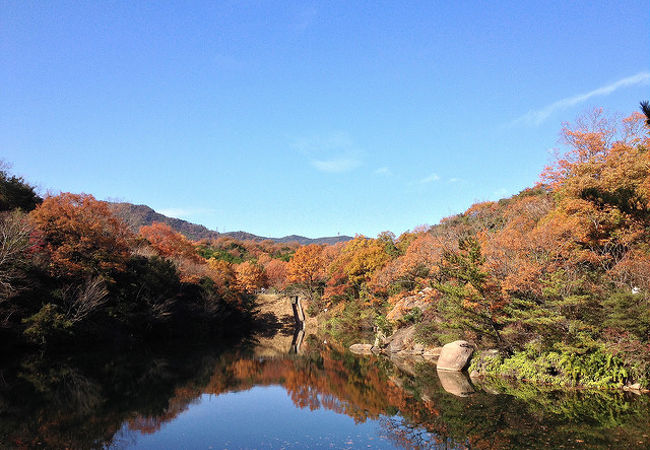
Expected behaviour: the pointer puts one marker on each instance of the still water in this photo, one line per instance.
(323, 397)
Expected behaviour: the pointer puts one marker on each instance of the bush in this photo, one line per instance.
(46, 325)
(597, 368)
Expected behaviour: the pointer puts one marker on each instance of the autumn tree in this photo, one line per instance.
(223, 274)
(306, 269)
(276, 271)
(412, 269)
(523, 250)
(80, 235)
(361, 257)
(249, 277)
(603, 181)
(168, 242)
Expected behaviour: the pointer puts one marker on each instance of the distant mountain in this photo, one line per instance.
(137, 216)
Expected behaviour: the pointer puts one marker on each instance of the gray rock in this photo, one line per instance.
(402, 339)
(455, 356)
(361, 349)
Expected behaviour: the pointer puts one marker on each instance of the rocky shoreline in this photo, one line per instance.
(452, 361)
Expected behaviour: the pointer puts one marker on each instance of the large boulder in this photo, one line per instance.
(455, 356)
(361, 349)
(401, 340)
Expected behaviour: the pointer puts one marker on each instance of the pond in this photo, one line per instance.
(247, 396)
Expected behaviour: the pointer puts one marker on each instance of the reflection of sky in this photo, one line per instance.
(262, 417)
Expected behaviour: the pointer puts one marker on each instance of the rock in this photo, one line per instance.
(404, 305)
(402, 339)
(456, 383)
(635, 386)
(455, 356)
(474, 374)
(431, 357)
(361, 349)
(432, 353)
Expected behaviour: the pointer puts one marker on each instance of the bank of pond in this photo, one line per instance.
(229, 395)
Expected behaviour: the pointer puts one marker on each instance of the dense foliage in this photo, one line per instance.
(70, 271)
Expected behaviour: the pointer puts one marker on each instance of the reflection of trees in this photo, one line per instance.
(99, 402)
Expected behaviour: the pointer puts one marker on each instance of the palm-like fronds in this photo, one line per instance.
(645, 108)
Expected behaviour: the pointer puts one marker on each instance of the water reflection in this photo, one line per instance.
(119, 400)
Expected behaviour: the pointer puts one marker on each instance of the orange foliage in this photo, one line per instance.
(169, 242)
(249, 277)
(360, 258)
(276, 272)
(338, 287)
(223, 275)
(81, 235)
(603, 181)
(519, 253)
(306, 267)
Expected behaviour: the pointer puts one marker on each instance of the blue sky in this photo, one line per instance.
(302, 117)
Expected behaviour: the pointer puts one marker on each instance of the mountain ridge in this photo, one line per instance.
(137, 216)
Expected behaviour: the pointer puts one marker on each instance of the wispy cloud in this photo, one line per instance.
(335, 165)
(334, 152)
(455, 180)
(385, 171)
(536, 117)
(430, 179)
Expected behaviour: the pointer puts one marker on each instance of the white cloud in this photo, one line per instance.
(536, 117)
(333, 152)
(383, 171)
(336, 165)
(430, 179)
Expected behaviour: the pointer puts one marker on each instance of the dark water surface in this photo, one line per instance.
(321, 398)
